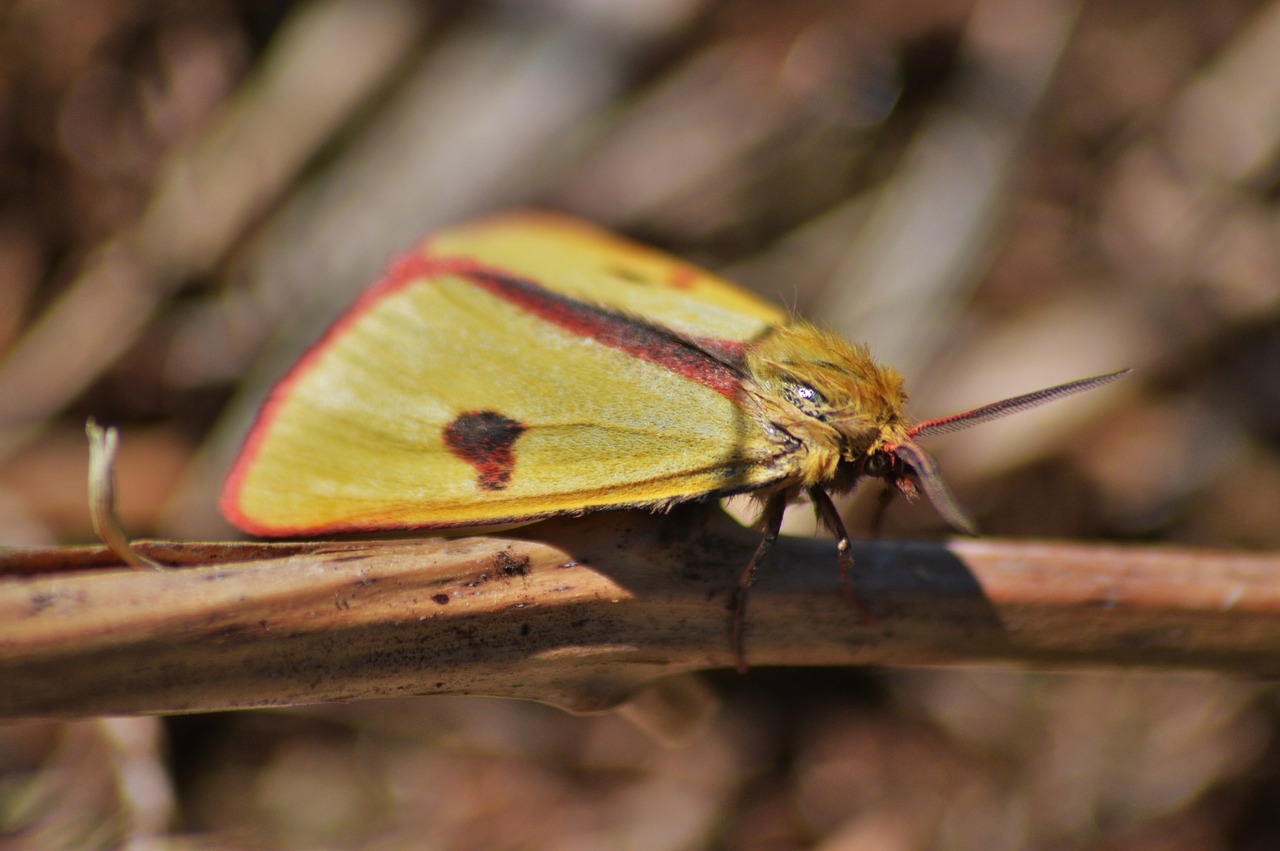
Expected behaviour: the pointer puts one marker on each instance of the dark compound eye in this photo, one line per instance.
(801, 391)
(808, 400)
(877, 464)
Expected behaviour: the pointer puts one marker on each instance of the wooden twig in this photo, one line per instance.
(590, 613)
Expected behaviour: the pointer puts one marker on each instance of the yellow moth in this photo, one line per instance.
(532, 365)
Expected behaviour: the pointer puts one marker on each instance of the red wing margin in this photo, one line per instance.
(632, 336)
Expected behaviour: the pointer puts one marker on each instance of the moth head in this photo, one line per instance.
(903, 463)
(826, 378)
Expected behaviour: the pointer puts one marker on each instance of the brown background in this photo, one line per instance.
(997, 196)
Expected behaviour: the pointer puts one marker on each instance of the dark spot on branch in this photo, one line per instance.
(511, 565)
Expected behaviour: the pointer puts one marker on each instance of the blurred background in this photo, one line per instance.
(996, 195)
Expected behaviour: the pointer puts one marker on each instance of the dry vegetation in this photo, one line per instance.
(997, 196)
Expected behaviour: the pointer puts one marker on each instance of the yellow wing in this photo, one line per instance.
(453, 396)
(585, 262)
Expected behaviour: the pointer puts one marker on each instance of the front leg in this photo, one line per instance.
(829, 517)
(771, 523)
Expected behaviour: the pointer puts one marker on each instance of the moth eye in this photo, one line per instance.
(801, 391)
(877, 464)
(808, 400)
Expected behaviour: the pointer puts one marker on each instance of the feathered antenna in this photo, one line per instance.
(1004, 407)
(913, 470)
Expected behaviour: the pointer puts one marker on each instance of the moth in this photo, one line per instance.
(531, 365)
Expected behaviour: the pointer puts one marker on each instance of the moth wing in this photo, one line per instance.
(436, 403)
(578, 259)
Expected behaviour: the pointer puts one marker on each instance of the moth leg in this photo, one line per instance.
(771, 521)
(830, 517)
(883, 501)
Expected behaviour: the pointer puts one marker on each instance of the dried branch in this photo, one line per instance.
(590, 614)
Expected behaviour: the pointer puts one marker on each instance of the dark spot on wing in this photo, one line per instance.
(682, 277)
(485, 440)
(630, 275)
